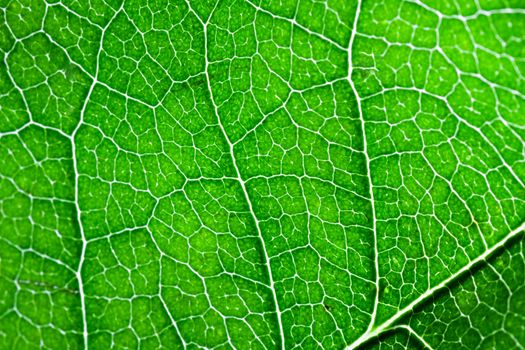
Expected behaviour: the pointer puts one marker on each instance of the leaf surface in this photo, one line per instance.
(255, 174)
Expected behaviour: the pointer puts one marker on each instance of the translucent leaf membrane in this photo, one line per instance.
(245, 174)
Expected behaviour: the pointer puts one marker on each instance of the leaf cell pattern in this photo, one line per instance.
(280, 174)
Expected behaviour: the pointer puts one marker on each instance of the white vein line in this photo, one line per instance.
(369, 174)
(293, 22)
(77, 175)
(411, 331)
(243, 186)
(387, 325)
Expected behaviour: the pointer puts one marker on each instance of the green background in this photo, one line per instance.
(257, 174)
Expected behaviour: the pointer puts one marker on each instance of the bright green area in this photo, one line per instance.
(213, 174)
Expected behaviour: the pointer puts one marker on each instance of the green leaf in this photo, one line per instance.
(292, 174)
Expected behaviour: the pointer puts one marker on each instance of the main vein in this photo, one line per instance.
(388, 324)
(243, 186)
(369, 175)
(85, 332)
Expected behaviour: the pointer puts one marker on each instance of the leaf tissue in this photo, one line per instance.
(262, 174)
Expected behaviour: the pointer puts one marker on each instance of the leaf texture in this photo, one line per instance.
(247, 174)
